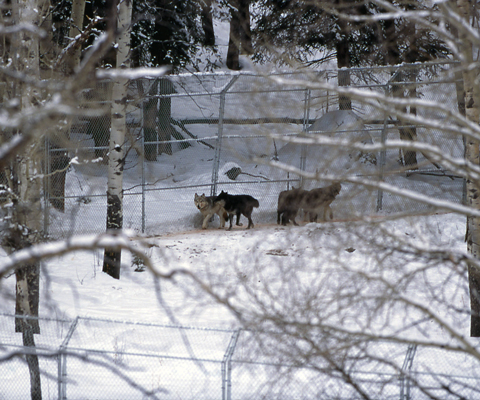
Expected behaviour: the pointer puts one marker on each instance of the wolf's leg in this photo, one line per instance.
(329, 211)
(230, 217)
(221, 214)
(205, 221)
(248, 215)
(238, 219)
(293, 216)
(306, 216)
(307, 212)
(282, 216)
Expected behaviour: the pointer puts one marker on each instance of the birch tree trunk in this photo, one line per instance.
(25, 228)
(116, 161)
(472, 103)
(76, 27)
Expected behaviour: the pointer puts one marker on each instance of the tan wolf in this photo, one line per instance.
(208, 208)
(317, 199)
(289, 202)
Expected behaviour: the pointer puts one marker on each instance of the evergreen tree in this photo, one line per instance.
(169, 32)
(298, 29)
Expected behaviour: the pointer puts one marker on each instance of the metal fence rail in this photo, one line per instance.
(185, 133)
(88, 358)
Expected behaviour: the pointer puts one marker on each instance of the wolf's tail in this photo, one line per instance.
(256, 204)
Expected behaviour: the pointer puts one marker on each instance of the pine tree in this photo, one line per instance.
(298, 29)
(169, 32)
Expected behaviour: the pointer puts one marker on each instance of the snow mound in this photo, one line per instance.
(345, 121)
(333, 159)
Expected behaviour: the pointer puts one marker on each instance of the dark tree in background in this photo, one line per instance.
(164, 32)
(207, 23)
(169, 32)
(299, 29)
(240, 39)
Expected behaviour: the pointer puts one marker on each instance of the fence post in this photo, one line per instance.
(406, 368)
(46, 185)
(383, 156)
(143, 169)
(383, 152)
(218, 145)
(306, 118)
(62, 362)
(227, 366)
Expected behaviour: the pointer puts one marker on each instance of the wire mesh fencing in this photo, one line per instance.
(203, 133)
(88, 358)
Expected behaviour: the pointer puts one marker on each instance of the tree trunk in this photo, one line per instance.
(56, 167)
(150, 108)
(472, 154)
(343, 62)
(112, 256)
(165, 128)
(407, 158)
(233, 52)
(207, 23)
(26, 180)
(56, 162)
(390, 44)
(240, 40)
(48, 49)
(410, 132)
(76, 27)
(116, 161)
(33, 365)
(27, 297)
(245, 34)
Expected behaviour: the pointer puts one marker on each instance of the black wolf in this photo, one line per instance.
(289, 202)
(238, 204)
(319, 198)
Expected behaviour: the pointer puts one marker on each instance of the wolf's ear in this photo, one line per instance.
(203, 194)
(293, 187)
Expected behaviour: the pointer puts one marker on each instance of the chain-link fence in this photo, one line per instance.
(89, 358)
(203, 133)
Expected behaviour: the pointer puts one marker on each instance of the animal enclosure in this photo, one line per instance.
(204, 133)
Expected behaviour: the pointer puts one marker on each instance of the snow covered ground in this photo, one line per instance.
(284, 267)
(239, 261)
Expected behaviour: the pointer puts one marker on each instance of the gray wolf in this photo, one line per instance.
(289, 202)
(238, 204)
(208, 208)
(321, 198)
